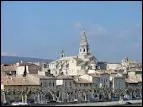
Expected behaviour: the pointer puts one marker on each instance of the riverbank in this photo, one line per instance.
(113, 103)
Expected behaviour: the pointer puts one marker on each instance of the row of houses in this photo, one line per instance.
(103, 84)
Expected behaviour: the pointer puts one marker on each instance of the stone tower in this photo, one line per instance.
(84, 49)
(62, 54)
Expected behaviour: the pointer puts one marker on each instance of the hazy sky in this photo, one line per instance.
(43, 29)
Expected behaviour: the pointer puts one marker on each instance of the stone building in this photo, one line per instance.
(18, 69)
(8, 70)
(75, 65)
(134, 82)
(134, 88)
(58, 88)
(20, 88)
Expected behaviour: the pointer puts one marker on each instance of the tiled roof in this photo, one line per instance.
(8, 68)
(33, 69)
(111, 72)
(131, 81)
(135, 69)
(95, 75)
(82, 81)
(64, 77)
(18, 80)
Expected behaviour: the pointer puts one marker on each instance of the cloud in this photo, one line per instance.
(92, 29)
(78, 25)
(97, 30)
(7, 54)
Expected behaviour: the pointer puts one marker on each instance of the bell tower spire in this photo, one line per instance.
(84, 48)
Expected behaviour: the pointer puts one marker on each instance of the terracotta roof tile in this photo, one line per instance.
(18, 80)
(8, 68)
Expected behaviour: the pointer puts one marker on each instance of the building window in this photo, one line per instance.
(70, 84)
(53, 84)
(65, 83)
(49, 83)
(44, 84)
(85, 84)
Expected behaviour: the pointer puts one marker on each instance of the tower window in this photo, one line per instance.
(80, 50)
(84, 50)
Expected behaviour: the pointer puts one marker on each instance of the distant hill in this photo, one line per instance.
(15, 59)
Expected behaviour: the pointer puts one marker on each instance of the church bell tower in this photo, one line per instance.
(62, 54)
(84, 48)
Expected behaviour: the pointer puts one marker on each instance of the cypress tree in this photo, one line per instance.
(25, 72)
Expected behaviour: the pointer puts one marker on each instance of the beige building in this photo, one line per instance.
(19, 87)
(19, 68)
(8, 70)
(58, 88)
(134, 82)
(134, 88)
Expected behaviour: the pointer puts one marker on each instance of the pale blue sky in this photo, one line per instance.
(43, 29)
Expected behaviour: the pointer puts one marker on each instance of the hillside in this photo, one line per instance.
(15, 59)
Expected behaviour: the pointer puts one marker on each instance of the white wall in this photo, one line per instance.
(91, 71)
(20, 70)
(86, 77)
(131, 75)
(59, 82)
(73, 69)
(113, 66)
(2, 86)
(41, 73)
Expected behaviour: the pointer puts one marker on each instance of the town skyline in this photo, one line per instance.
(113, 30)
